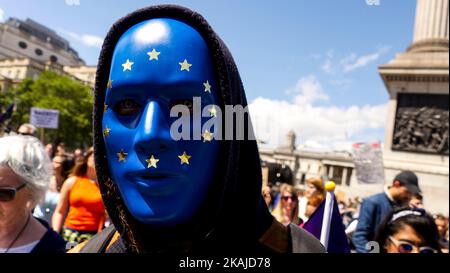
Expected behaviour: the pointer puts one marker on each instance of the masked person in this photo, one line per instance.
(185, 196)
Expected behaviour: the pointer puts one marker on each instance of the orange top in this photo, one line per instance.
(86, 209)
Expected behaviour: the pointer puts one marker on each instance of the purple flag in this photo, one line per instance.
(337, 242)
(7, 114)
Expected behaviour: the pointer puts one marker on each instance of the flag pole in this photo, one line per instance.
(42, 135)
(328, 213)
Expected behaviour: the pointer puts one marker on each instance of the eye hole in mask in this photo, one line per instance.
(127, 107)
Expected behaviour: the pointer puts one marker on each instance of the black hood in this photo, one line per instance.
(234, 211)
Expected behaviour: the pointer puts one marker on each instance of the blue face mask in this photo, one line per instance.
(157, 64)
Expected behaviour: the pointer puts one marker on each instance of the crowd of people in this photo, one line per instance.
(394, 221)
(49, 198)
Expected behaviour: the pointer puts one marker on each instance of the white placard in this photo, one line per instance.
(368, 160)
(44, 118)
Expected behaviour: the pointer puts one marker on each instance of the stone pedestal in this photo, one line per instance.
(417, 127)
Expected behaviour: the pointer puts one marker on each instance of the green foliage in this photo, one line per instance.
(51, 91)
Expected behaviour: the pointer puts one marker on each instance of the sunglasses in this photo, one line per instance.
(407, 247)
(285, 198)
(25, 134)
(9, 193)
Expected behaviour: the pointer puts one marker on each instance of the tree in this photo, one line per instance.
(52, 91)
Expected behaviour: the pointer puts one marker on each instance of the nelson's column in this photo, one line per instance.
(417, 127)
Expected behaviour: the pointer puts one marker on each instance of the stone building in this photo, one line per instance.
(29, 39)
(28, 48)
(304, 163)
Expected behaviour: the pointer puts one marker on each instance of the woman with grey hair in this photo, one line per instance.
(25, 171)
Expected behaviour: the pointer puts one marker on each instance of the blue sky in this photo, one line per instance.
(319, 56)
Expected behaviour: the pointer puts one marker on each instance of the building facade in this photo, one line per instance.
(29, 39)
(28, 48)
(304, 163)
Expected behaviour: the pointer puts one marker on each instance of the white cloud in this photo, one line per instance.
(330, 53)
(361, 62)
(327, 67)
(353, 61)
(341, 82)
(333, 69)
(350, 62)
(307, 91)
(85, 39)
(348, 59)
(91, 40)
(318, 127)
(337, 67)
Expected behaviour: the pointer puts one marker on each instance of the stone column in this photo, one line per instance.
(344, 177)
(330, 172)
(423, 69)
(431, 30)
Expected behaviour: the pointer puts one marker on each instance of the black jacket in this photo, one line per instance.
(51, 242)
(234, 216)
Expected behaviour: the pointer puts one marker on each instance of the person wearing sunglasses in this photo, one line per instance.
(25, 171)
(27, 129)
(286, 209)
(408, 230)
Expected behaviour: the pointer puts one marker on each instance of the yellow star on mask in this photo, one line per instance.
(110, 84)
(105, 108)
(207, 87)
(153, 54)
(122, 156)
(212, 111)
(185, 65)
(207, 136)
(127, 65)
(152, 162)
(184, 158)
(106, 131)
